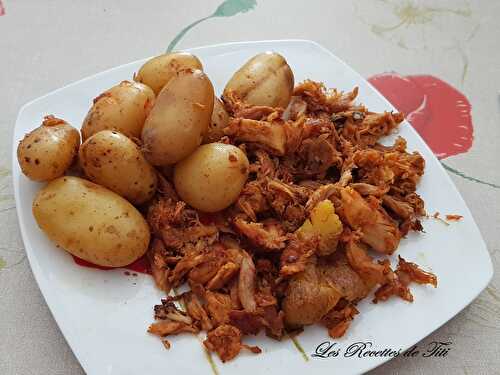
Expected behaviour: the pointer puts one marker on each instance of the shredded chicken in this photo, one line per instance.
(158, 264)
(246, 284)
(371, 272)
(269, 235)
(270, 136)
(248, 322)
(320, 194)
(218, 307)
(414, 273)
(169, 311)
(223, 276)
(185, 265)
(378, 229)
(454, 217)
(225, 340)
(170, 327)
(296, 108)
(252, 199)
(195, 309)
(318, 98)
(297, 247)
(339, 318)
(397, 282)
(296, 255)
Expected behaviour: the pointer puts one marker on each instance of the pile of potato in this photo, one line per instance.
(168, 117)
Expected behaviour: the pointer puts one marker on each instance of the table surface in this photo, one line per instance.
(444, 51)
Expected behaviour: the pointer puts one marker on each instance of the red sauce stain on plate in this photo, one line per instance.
(141, 265)
(439, 113)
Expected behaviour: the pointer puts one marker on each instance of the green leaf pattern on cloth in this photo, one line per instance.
(231, 8)
(228, 8)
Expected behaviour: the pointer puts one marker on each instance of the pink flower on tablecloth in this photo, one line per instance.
(2, 9)
(438, 112)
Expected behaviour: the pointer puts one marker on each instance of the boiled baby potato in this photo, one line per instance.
(157, 71)
(123, 107)
(91, 222)
(220, 119)
(179, 118)
(111, 159)
(212, 177)
(265, 79)
(48, 151)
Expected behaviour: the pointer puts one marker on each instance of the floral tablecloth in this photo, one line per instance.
(438, 61)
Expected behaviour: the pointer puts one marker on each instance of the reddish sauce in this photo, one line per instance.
(207, 218)
(141, 265)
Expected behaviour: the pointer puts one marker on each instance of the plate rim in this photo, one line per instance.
(46, 290)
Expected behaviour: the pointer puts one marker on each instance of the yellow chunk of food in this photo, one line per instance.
(325, 224)
(306, 230)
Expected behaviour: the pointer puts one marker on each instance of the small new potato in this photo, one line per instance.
(112, 160)
(179, 119)
(265, 79)
(212, 177)
(157, 71)
(220, 119)
(48, 151)
(123, 107)
(91, 222)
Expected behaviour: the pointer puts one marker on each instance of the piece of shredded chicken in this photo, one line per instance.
(225, 340)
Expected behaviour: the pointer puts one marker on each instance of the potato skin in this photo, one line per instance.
(219, 120)
(48, 151)
(179, 119)
(112, 160)
(123, 107)
(265, 79)
(212, 177)
(156, 72)
(91, 222)
(308, 297)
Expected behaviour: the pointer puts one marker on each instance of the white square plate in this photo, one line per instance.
(104, 314)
